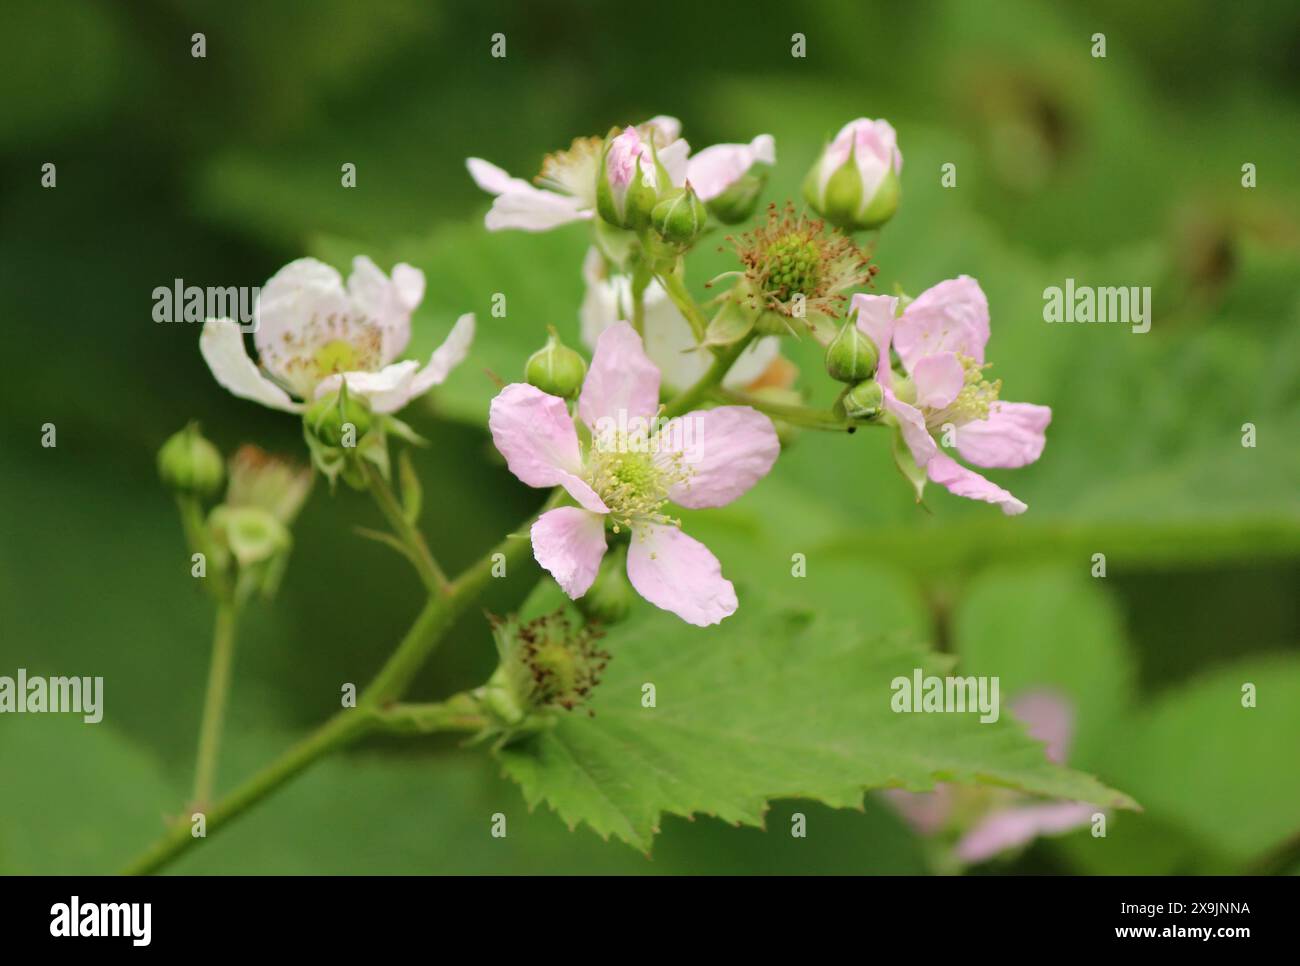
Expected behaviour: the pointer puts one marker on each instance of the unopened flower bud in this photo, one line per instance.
(629, 182)
(268, 482)
(680, 216)
(851, 356)
(556, 369)
(863, 401)
(854, 184)
(189, 464)
(610, 597)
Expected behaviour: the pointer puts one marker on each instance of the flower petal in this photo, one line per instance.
(389, 302)
(1012, 436)
(1012, 827)
(719, 166)
(446, 357)
(726, 451)
(222, 345)
(520, 204)
(938, 379)
(535, 434)
(947, 472)
(569, 543)
(911, 424)
(621, 381)
(490, 178)
(952, 316)
(679, 574)
(674, 158)
(387, 390)
(302, 291)
(876, 318)
(1049, 718)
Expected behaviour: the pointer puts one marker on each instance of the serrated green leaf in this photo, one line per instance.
(769, 704)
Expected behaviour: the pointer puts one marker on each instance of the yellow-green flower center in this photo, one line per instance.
(633, 478)
(973, 402)
(337, 355)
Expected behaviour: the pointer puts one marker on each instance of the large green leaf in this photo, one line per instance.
(766, 705)
(1199, 759)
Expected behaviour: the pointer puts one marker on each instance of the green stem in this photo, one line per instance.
(348, 725)
(435, 581)
(458, 713)
(641, 278)
(795, 415)
(723, 359)
(214, 704)
(675, 286)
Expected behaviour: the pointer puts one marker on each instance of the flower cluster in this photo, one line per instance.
(332, 351)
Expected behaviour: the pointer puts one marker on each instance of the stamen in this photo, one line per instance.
(973, 402)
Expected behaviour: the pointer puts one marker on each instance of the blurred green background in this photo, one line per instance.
(1117, 171)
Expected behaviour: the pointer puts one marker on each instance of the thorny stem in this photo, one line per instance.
(373, 709)
(435, 581)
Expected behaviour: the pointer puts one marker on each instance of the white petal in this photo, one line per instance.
(491, 178)
(222, 345)
(387, 390)
(533, 209)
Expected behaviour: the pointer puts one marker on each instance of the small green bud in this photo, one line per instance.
(851, 356)
(556, 369)
(188, 463)
(863, 401)
(680, 216)
(338, 420)
(609, 600)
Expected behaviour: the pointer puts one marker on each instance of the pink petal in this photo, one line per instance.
(925, 812)
(938, 379)
(726, 451)
(718, 167)
(912, 425)
(947, 472)
(622, 381)
(569, 543)
(952, 316)
(1012, 436)
(222, 345)
(1048, 717)
(876, 318)
(679, 574)
(534, 433)
(1012, 827)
